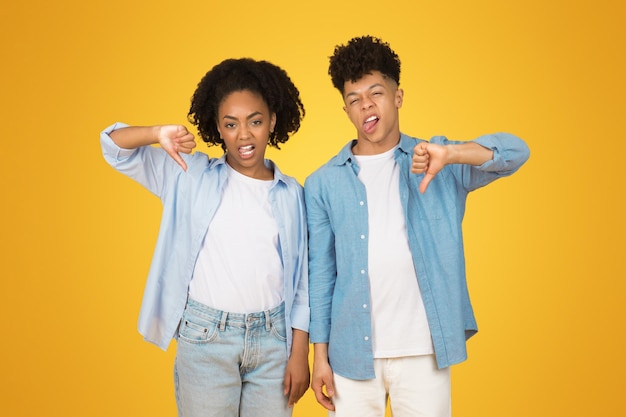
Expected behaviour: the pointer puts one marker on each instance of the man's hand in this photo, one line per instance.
(323, 377)
(175, 139)
(428, 159)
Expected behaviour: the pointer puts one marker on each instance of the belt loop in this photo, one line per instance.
(268, 323)
(222, 325)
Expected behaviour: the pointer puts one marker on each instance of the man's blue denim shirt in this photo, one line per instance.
(339, 292)
(190, 200)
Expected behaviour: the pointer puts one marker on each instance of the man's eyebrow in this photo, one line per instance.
(368, 88)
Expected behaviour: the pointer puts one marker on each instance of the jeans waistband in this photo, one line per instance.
(225, 318)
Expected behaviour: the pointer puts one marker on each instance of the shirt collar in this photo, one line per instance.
(406, 144)
(278, 175)
(346, 156)
(220, 163)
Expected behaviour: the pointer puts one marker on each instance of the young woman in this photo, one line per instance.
(228, 278)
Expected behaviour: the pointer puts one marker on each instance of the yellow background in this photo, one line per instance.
(545, 247)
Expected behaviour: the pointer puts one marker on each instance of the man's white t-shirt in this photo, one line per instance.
(400, 327)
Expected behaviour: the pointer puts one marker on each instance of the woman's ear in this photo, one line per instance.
(272, 123)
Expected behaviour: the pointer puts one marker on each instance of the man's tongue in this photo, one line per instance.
(370, 124)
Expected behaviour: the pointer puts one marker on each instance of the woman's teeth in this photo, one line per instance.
(246, 150)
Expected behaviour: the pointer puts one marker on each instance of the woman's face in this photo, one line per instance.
(245, 123)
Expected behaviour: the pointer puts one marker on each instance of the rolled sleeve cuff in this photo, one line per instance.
(112, 152)
(509, 152)
(300, 315)
(319, 333)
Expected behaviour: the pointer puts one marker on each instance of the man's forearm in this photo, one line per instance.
(469, 153)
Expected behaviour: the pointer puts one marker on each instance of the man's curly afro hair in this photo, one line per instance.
(264, 78)
(361, 56)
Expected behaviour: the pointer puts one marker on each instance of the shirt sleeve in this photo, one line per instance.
(322, 262)
(148, 165)
(301, 314)
(509, 154)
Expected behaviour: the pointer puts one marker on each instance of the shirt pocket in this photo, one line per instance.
(430, 209)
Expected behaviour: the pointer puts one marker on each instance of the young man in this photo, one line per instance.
(390, 310)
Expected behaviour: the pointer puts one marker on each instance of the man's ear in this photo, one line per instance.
(399, 97)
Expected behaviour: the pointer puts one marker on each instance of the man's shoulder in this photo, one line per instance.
(326, 170)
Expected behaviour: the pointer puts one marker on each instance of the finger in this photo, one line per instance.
(300, 389)
(419, 149)
(293, 398)
(425, 181)
(286, 384)
(419, 167)
(420, 162)
(184, 138)
(325, 402)
(321, 398)
(179, 160)
(330, 388)
(186, 147)
(188, 137)
(182, 131)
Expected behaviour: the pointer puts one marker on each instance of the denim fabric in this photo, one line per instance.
(230, 365)
(339, 291)
(190, 199)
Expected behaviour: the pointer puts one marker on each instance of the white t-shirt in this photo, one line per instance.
(239, 268)
(400, 327)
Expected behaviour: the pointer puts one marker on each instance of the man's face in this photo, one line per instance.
(372, 105)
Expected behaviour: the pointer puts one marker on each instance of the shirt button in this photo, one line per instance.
(361, 203)
(362, 237)
(364, 305)
(362, 271)
(366, 338)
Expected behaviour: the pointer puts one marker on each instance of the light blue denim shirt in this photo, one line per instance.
(339, 291)
(190, 200)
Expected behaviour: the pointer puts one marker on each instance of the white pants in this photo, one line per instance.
(414, 386)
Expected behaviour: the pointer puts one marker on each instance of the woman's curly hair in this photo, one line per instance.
(264, 78)
(361, 56)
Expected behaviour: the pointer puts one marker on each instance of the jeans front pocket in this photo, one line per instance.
(194, 329)
(279, 329)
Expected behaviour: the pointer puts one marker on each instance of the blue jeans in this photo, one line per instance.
(231, 365)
